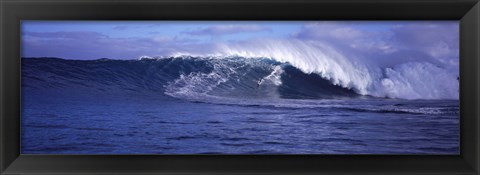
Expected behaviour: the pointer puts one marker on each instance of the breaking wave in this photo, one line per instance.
(409, 76)
(317, 75)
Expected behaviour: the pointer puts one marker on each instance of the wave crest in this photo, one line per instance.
(408, 79)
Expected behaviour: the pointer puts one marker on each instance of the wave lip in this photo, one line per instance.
(309, 57)
(409, 76)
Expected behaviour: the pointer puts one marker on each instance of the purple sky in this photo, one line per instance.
(437, 40)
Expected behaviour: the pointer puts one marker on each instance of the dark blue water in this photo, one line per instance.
(191, 106)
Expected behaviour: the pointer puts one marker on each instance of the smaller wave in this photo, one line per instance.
(397, 110)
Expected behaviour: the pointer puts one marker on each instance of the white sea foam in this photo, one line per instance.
(408, 79)
(274, 77)
(199, 83)
(417, 80)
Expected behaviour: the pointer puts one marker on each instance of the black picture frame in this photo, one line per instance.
(13, 11)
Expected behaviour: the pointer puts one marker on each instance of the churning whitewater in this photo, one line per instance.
(416, 76)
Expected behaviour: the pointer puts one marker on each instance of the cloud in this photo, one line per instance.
(435, 42)
(121, 27)
(439, 39)
(328, 29)
(228, 30)
(128, 27)
(65, 35)
(346, 35)
(93, 45)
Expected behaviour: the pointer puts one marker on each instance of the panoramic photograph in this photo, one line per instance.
(240, 87)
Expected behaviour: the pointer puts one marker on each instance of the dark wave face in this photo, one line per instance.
(181, 77)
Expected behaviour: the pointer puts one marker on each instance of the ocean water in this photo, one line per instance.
(235, 105)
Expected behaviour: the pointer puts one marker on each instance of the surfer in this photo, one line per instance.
(259, 82)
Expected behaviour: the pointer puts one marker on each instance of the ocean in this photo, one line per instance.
(232, 105)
